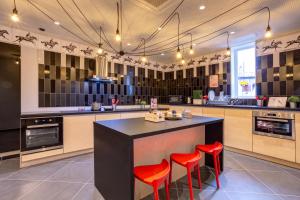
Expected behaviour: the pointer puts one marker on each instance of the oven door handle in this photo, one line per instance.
(272, 120)
(43, 125)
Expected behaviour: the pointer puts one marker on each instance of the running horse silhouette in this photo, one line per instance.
(297, 41)
(273, 45)
(203, 59)
(191, 62)
(156, 65)
(87, 51)
(137, 62)
(128, 59)
(172, 66)
(216, 57)
(70, 48)
(27, 38)
(164, 67)
(3, 32)
(51, 43)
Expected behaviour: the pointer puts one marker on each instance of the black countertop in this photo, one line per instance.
(253, 107)
(139, 127)
(83, 112)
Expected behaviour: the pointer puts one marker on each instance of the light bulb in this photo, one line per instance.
(144, 59)
(100, 50)
(178, 54)
(268, 33)
(202, 7)
(15, 17)
(118, 36)
(228, 51)
(191, 50)
(182, 61)
(57, 23)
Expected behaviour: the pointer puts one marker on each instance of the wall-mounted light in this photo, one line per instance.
(268, 32)
(100, 49)
(14, 16)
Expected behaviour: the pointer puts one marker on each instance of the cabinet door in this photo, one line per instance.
(297, 129)
(238, 129)
(275, 147)
(132, 115)
(213, 112)
(78, 132)
(104, 116)
(194, 109)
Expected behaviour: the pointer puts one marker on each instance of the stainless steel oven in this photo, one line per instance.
(41, 134)
(274, 124)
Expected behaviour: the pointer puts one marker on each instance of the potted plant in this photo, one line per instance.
(293, 100)
(260, 100)
(245, 86)
(143, 104)
(205, 98)
(197, 97)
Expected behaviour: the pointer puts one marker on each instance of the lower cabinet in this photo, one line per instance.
(238, 129)
(132, 115)
(108, 116)
(78, 132)
(275, 147)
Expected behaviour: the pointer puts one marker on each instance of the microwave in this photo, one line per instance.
(176, 99)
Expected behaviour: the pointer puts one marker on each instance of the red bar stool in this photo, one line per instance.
(154, 175)
(188, 160)
(214, 150)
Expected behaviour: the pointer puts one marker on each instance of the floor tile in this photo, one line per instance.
(8, 167)
(285, 197)
(251, 196)
(231, 163)
(74, 172)
(88, 192)
(13, 189)
(162, 195)
(53, 191)
(39, 172)
(280, 182)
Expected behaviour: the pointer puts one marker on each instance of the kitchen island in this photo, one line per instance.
(121, 144)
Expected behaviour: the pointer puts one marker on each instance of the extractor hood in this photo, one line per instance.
(101, 71)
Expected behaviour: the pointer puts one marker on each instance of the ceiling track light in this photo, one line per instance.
(228, 52)
(268, 32)
(14, 16)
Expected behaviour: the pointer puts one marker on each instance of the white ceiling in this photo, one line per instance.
(142, 17)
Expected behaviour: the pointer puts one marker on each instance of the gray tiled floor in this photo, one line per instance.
(244, 178)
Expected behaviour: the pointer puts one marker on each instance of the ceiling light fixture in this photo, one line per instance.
(228, 52)
(202, 7)
(14, 16)
(128, 44)
(178, 54)
(232, 32)
(182, 61)
(268, 32)
(57, 23)
(159, 28)
(162, 54)
(191, 46)
(118, 36)
(144, 59)
(100, 49)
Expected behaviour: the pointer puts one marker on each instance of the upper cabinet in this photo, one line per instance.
(238, 129)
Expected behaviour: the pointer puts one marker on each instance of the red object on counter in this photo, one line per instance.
(115, 101)
(214, 150)
(189, 161)
(154, 175)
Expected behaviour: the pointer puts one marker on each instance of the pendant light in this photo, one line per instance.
(100, 49)
(182, 57)
(118, 36)
(191, 45)
(268, 32)
(144, 59)
(228, 52)
(178, 54)
(14, 16)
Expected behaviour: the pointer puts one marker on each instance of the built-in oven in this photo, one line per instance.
(41, 134)
(274, 124)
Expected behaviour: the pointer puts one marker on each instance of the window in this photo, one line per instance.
(243, 71)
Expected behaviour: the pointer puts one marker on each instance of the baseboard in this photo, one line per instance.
(264, 157)
(10, 154)
(54, 158)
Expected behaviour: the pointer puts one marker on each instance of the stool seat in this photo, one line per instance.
(185, 158)
(154, 175)
(210, 148)
(150, 173)
(189, 161)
